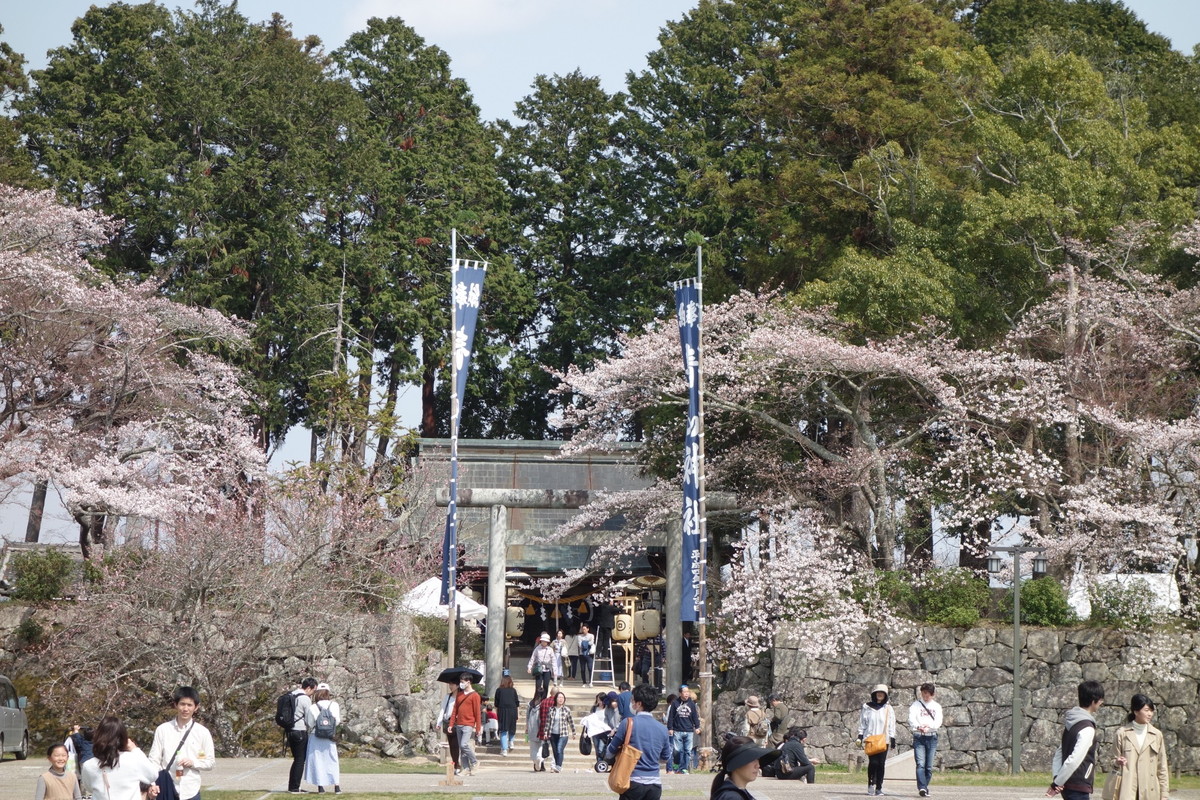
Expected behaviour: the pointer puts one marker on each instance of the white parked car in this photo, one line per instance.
(14, 727)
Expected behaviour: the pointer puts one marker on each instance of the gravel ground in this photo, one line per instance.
(269, 775)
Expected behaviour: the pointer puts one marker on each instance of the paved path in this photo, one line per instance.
(268, 775)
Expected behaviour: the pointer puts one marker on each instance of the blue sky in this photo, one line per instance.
(498, 46)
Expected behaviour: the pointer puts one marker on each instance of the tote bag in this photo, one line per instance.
(627, 758)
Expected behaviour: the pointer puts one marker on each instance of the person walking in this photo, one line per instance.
(444, 726)
(876, 719)
(507, 706)
(571, 648)
(924, 720)
(596, 727)
(559, 727)
(1140, 755)
(81, 742)
(741, 762)
(467, 720)
(756, 724)
(779, 720)
(586, 643)
(648, 735)
(683, 725)
(321, 767)
(533, 728)
(117, 768)
(1074, 764)
(57, 783)
(543, 665)
(559, 646)
(184, 746)
(297, 734)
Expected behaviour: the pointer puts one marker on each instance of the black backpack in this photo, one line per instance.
(285, 711)
(326, 725)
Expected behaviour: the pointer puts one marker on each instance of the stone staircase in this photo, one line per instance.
(580, 699)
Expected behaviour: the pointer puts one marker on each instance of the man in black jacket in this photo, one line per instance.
(793, 763)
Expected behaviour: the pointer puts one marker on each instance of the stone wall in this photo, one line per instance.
(385, 684)
(972, 669)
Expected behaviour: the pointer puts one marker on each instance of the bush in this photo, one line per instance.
(952, 596)
(29, 632)
(1128, 604)
(894, 589)
(1043, 602)
(41, 575)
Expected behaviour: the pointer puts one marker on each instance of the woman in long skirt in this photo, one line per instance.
(321, 767)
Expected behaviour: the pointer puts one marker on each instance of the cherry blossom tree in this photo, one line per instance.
(116, 394)
(1082, 422)
(219, 596)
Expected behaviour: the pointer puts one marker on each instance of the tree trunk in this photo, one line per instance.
(972, 551)
(362, 408)
(37, 507)
(918, 540)
(1071, 354)
(91, 530)
(428, 371)
(389, 415)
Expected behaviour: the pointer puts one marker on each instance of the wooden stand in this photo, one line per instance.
(451, 779)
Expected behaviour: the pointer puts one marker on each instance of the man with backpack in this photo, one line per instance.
(290, 713)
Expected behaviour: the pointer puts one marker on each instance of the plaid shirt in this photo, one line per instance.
(560, 722)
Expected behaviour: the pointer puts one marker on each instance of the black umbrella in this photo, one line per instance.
(453, 675)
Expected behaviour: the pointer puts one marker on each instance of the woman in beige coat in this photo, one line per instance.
(1141, 754)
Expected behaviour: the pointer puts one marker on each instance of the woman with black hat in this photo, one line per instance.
(741, 762)
(876, 724)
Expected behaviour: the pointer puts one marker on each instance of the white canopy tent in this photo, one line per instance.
(423, 600)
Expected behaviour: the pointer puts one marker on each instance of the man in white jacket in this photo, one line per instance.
(183, 745)
(925, 720)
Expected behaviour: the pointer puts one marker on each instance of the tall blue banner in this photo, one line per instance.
(687, 305)
(465, 292)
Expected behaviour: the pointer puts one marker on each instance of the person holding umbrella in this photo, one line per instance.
(452, 676)
(466, 718)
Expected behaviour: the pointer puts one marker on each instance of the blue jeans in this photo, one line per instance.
(505, 741)
(558, 743)
(681, 749)
(924, 746)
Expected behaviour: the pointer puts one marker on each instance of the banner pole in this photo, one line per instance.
(702, 621)
(452, 612)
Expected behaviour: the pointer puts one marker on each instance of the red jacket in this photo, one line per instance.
(466, 711)
(544, 717)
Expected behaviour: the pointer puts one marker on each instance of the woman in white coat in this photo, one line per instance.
(321, 763)
(117, 767)
(877, 719)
